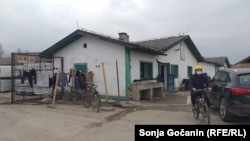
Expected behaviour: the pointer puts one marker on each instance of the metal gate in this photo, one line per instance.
(26, 77)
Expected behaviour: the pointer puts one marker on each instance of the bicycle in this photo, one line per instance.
(91, 98)
(201, 107)
(77, 97)
(64, 95)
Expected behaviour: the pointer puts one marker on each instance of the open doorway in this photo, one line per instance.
(163, 73)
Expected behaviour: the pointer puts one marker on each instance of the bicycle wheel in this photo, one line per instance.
(205, 115)
(86, 100)
(59, 97)
(96, 103)
(196, 110)
(67, 99)
(76, 98)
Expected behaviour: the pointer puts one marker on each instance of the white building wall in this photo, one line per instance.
(208, 68)
(96, 53)
(174, 57)
(99, 51)
(225, 65)
(136, 58)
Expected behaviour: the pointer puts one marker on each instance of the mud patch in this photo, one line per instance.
(94, 124)
(117, 116)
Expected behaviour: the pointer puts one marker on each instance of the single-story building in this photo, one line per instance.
(117, 63)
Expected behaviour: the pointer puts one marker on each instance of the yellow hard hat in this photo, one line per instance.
(198, 67)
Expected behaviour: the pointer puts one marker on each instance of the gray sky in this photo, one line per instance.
(217, 27)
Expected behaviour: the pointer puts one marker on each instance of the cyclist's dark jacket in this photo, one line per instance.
(199, 81)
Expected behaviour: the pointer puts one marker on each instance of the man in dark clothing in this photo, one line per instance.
(81, 79)
(198, 81)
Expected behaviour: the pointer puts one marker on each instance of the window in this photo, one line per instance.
(222, 77)
(189, 73)
(146, 70)
(216, 77)
(174, 70)
(244, 79)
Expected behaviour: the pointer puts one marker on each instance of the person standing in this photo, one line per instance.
(81, 79)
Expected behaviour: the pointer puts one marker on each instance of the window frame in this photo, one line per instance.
(189, 71)
(174, 69)
(146, 71)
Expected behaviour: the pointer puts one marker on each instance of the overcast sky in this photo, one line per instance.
(217, 27)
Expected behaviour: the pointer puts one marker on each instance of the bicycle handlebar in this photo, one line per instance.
(201, 90)
(92, 86)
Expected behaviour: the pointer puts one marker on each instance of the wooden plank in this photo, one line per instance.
(55, 90)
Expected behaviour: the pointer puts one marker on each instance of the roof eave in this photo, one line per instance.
(193, 49)
(49, 52)
(80, 33)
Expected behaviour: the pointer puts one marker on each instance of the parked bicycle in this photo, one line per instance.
(91, 98)
(77, 97)
(68, 95)
(64, 95)
(201, 107)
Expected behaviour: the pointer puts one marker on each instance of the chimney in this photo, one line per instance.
(123, 36)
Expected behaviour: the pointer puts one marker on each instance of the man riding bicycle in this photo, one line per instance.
(199, 81)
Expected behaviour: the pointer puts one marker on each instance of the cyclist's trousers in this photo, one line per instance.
(194, 95)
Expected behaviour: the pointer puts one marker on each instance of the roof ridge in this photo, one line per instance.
(160, 38)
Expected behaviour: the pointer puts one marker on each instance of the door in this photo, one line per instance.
(215, 89)
(171, 83)
(218, 84)
(163, 70)
(162, 74)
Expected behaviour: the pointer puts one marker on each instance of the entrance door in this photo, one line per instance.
(163, 71)
(171, 87)
(162, 74)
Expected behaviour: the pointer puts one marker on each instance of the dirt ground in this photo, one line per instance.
(33, 121)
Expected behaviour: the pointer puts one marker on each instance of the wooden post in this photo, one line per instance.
(117, 75)
(105, 83)
(55, 90)
(73, 78)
